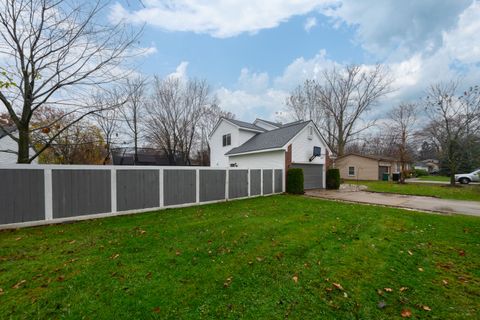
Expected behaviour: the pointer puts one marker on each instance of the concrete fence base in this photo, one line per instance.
(44, 194)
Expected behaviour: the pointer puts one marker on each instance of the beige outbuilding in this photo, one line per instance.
(366, 167)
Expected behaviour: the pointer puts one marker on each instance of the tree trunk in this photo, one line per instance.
(23, 145)
(452, 178)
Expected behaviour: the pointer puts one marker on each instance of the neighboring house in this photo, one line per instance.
(367, 167)
(8, 144)
(266, 144)
(429, 165)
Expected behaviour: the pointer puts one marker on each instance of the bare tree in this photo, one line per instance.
(338, 103)
(174, 112)
(56, 52)
(454, 120)
(402, 128)
(134, 110)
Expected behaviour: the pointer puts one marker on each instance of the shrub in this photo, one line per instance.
(420, 172)
(333, 179)
(295, 181)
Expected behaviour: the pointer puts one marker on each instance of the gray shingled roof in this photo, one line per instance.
(245, 125)
(276, 124)
(276, 138)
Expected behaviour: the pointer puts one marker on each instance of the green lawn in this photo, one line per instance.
(458, 192)
(434, 178)
(264, 258)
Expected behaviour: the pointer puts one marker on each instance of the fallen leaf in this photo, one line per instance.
(388, 289)
(149, 275)
(381, 304)
(380, 292)
(1, 291)
(406, 313)
(73, 241)
(295, 278)
(259, 259)
(461, 253)
(345, 295)
(156, 309)
(420, 269)
(61, 278)
(115, 256)
(227, 282)
(445, 282)
(338, 286)
(178, 252)
(426, 308)
(19, 284)
(403, 289)
(410, 252)
(19, 238)
(142, 231)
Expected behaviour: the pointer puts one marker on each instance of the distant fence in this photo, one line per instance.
(49, 193)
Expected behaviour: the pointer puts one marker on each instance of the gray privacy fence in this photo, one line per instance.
(46, 193)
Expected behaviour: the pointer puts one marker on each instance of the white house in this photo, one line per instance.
(8, 146)
(266, 144)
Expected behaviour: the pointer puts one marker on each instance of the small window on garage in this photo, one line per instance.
(351, 171)
(227, 139)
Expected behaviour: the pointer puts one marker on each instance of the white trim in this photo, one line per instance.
(107, 167)
(197, 185)
(113, 186)
(47, 178)
(249, 183)
(261, 182)
(236, 125)
(227, 179)
(160, 187)
(255, 151)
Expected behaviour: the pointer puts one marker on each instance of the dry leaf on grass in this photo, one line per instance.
(420, 269)
(115, 256)
(406, 313)
(156, 309)
(426, 308)
(19, 284)
(388, 289)
(338, 286)
(1, 291)
(178, 252)
(403, 289)
(410, 252)
(445, 282)
(295, 278)
(227, 282)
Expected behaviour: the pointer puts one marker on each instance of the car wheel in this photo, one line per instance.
(464, 180)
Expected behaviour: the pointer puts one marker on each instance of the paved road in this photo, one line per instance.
(416, 180)
(403, 201)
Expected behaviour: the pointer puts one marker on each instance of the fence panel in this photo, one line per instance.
(137, 189)
(255, 182)
(21, 202)
(267, 181)
(80, 192)
(179, 186)
(212, 185)
(238, 184)
(278, 180)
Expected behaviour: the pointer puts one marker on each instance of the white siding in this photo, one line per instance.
(302, 146)
(217, 150)
(271, 159)
(7, 143)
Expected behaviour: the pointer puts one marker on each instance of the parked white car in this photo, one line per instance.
(466, 178)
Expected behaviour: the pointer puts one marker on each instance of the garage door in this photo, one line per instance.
(312, 175)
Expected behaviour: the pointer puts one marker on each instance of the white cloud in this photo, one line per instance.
(180, 72)
(310, 23)
(253, 82)
(218, 18)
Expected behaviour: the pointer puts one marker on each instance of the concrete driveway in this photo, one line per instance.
(402, 201)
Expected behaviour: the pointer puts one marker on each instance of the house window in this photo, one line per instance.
(227, 139)
(351, 171)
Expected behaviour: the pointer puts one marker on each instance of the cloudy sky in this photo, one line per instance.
(254, 52)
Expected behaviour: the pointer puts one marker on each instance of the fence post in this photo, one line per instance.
(248, 183)
(227, 178)
(197, 185)
(113, 186)
(160, 187)
(47, 180)
(261, 182)
(273, 181)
